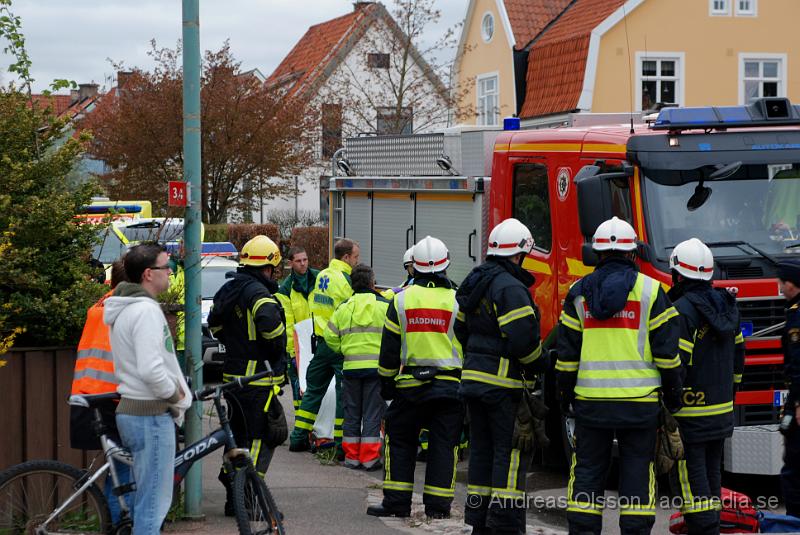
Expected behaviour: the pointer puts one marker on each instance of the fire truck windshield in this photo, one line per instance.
(759, 205)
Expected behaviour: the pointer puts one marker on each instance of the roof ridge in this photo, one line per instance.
(549, 25)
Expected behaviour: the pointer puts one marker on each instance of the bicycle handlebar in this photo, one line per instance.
(236, 384)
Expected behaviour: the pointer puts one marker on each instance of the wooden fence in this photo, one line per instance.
(34, 387)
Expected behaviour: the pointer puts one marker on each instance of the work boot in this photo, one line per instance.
(380, 510)
(377, 465)
(298, 446)
(482, 530)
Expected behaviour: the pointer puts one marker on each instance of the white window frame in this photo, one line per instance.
(752, 12)
(680, 74)
(488, 39)
(725, 12)
(481, 119)
(783, 70)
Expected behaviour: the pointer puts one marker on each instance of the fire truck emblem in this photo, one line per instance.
(562, 183)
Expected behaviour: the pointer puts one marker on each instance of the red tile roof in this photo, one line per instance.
(60, 103)
(313, 52)
(557, 61)
(529, 17)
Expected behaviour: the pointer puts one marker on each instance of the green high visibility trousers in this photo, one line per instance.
(325, 365)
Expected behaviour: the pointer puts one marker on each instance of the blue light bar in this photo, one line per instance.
(215, 248)
(115, 208)
(762, 112)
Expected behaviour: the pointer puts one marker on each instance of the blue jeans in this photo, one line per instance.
(151, 441)
(124, 475)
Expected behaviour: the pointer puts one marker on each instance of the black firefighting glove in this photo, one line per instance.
(388, 388)
(672, 400)
(522, 439)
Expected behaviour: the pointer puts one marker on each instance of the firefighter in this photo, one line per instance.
(499, 329)
(355, 331)
(789, 276)
(293, 296)
(408, 265)
(712, 352)
(248, 319)
(420, 365)
(617, 346)
(332, 288)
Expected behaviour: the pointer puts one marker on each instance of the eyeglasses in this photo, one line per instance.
(161, 267)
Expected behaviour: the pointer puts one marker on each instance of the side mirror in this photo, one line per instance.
(589, 256)
(594, 195)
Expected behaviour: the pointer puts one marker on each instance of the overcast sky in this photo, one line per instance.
(74, 39)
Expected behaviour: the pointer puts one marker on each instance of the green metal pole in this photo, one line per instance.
(191, 174)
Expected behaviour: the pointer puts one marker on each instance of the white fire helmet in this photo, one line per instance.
(408, 256)
(614, 235)
(510, 237)
(431, 255)
(692, 259)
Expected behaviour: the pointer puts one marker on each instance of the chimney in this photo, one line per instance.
(361, 5)
(122, 78)
(74, 96)
(87, 91)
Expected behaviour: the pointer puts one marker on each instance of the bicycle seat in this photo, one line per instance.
(92, 400)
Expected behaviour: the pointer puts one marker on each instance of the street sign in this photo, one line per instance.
(178, 194)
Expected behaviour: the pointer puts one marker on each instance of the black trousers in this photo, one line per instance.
(249, 422)
(790, 473)
(698, 480)
(587, 478)
(497, 472)
(405, 416)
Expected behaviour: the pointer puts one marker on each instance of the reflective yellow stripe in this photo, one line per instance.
(255, 449)
(700, 505)
(683, 477)
(275, 333)
(397, 485)
(392, 326)
(215, 330)
(662, 318)
(507, 493)
(481, 377)
(479, 490)
(513, 469)
(437, 491)
(515, 314)
(502, 369)
(739, 339)
(251, 326)
(584, 507)
(300, 424)
(737, 378)
(706, 410)
(668, 364)
(571, 480)
(460, 316)
(386, 372)
(651, 397)
(306, 414)
(535, 354)
(686, 345)
(570, 322)
(251, 367)
(567, 365)
(262, 301)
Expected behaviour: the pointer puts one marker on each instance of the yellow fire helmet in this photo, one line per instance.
(260, 251)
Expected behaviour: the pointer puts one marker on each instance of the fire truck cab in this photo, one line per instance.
(729, 176)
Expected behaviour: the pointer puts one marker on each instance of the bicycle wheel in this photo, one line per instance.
(256, 512)
(31, 491)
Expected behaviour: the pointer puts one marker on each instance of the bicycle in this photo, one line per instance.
(44, 497)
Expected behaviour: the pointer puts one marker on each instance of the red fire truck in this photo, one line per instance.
(727, 175)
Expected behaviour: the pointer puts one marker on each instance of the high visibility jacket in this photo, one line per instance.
(94, 366)
(331, 290)
(712, 351)
(625, 356)
(177, 287)
(498, 326)
(355, 330)
(248, 319)
(295, 303)
(418, 332)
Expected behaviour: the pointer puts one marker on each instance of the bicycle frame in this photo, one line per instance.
(184, 459)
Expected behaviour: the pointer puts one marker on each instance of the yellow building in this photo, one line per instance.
(618, 56)
(491, 58)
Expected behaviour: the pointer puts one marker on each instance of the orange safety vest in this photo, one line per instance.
(94, 366)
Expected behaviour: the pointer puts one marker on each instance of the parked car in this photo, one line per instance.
(212, 274)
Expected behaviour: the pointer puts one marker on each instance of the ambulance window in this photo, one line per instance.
(532, 202)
